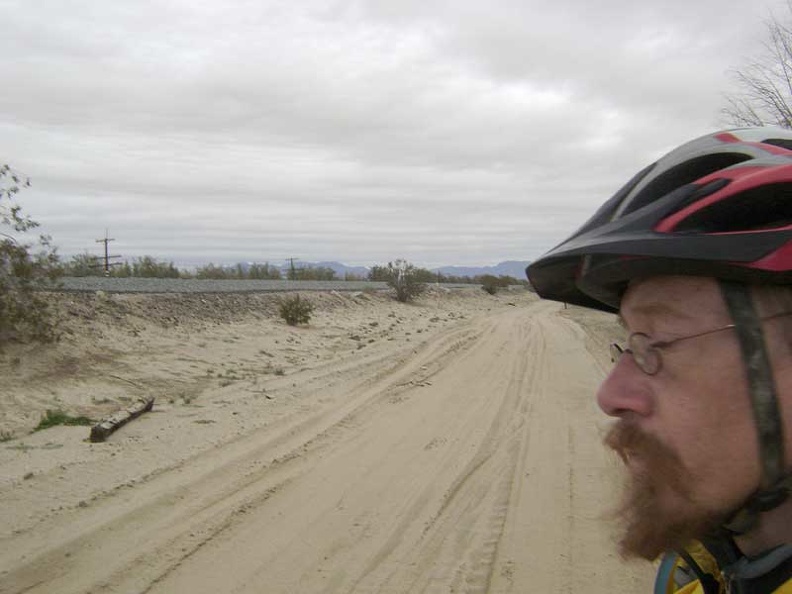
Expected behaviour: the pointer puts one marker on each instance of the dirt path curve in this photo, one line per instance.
(472, 464)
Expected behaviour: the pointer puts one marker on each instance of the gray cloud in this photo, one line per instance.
(444, 132)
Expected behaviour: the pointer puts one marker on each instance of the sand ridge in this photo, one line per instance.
(446, 446)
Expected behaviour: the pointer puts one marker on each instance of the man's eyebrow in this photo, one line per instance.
(658, 310)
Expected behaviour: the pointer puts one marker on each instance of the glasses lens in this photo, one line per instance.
(615, 352)
(646, 356)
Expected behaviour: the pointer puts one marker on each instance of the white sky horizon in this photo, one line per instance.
(361, 131)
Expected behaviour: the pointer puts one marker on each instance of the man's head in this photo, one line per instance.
(694, 244)
(687, 433)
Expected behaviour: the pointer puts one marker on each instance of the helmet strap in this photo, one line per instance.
(774, 488)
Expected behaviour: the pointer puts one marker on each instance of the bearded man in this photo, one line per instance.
(695, 255)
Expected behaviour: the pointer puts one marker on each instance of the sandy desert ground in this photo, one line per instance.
(452, 445)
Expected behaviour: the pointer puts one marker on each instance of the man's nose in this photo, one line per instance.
(626, 390)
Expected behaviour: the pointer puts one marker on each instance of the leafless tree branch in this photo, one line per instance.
(764, 94)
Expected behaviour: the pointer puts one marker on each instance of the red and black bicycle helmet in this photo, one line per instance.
(718, 206)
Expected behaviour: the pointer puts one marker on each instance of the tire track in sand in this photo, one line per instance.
(450, 469)
(169, 517)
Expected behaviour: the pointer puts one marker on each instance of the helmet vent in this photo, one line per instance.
(784, 143)
(765, 207)
(606, 212)
(681, 175)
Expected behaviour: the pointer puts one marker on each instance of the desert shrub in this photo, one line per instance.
(53, 418)
(264, 271)
(147, 267)
(295, 310)
(83, 265)
(24, 313)
(492, 284)
(507, 280)
(211, 271)
(143, 267)
(320, 273)
(404, 278)
(422, 275)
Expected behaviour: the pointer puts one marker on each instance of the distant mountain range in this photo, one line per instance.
(514, 268)
(340, 269)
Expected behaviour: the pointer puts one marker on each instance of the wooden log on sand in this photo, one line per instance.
(106, 426)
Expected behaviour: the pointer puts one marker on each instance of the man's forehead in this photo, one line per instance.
(671, 297)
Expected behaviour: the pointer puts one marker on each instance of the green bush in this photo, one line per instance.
(264, 271)
(321, 273)
(295, 310)
(490, 283)
(24, 312)
(404, 278)
(147, 267)
(83, 265)
(53, 418)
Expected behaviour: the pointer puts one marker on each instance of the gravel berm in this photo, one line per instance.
(179, 285)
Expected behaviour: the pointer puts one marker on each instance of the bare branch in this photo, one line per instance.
(764, 93)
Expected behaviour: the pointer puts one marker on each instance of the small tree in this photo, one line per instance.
(83, 265)
(321, 273)
(295, 310)
(263, 271)
(765, 95)
(149, 267)
(24, 314)
(123, 270)
(211, 271)
(490, 283)
(404, 278)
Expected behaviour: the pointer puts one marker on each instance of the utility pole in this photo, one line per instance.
(292, 269)
(107, 256)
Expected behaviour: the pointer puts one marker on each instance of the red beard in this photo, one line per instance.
(657, 511)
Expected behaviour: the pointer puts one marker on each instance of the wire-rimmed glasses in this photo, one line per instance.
(646, 353)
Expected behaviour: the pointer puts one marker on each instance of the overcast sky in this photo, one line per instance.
(443, 132)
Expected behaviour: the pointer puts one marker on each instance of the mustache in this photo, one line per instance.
(627, 440)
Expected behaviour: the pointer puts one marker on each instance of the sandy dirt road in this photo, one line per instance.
(470, 462)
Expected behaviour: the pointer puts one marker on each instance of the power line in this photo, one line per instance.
(107, 257)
